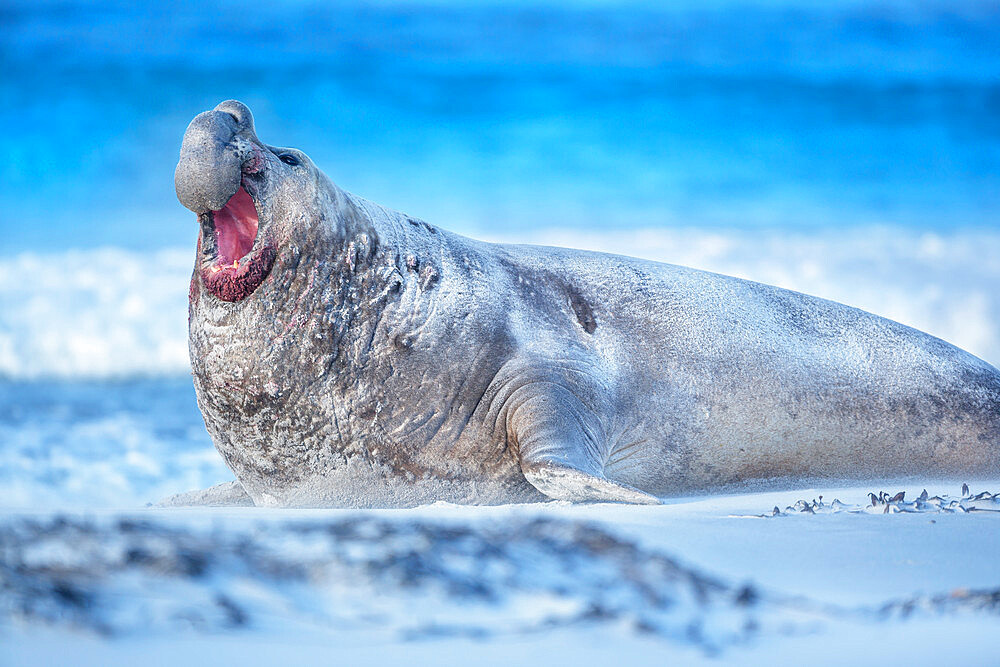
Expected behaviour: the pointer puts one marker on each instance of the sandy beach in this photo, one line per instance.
(696, 580)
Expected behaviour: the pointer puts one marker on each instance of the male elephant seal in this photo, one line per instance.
(346, 354)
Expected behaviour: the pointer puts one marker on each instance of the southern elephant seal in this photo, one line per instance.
(346, 354)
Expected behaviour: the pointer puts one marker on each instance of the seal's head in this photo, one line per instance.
(249, 198)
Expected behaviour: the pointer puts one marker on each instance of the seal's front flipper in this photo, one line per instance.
(565, 483)
(227, 494)
(561, 446)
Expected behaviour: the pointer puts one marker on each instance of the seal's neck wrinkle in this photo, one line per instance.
(365, 277)
(351, 288)
(373, 286)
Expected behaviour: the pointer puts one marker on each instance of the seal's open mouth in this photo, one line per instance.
(235, 229)
(231, 268)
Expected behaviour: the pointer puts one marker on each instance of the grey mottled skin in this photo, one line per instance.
(385, 361)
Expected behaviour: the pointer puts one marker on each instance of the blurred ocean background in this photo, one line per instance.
(846, 149)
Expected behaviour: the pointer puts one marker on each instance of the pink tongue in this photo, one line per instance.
(235, 227)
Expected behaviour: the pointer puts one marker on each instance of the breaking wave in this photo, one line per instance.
(94, 313)
(112, 313)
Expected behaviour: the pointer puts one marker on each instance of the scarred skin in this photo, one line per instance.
(362, 357)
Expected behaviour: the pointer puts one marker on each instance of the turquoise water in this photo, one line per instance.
(797, 115)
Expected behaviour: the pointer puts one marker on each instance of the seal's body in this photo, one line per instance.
(345, 354)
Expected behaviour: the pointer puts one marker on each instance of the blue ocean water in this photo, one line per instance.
(607, 115)
(848, 149)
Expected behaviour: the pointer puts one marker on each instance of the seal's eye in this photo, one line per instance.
(289, 159)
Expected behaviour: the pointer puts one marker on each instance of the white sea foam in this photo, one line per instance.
(110, 312)
(102, 443)
(94, 313)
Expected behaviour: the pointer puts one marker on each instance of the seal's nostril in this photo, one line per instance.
(238, 112)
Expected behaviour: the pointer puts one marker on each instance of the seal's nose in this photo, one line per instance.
(241, 114)
(215, 146)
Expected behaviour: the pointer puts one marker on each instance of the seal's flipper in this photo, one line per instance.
(227, 494)
(561, 444)
(566, 483)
